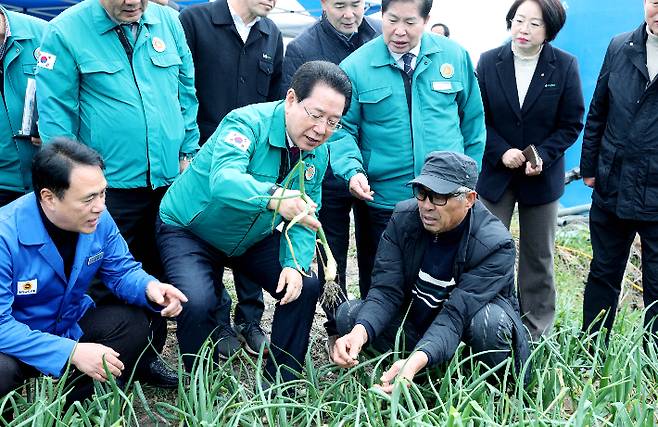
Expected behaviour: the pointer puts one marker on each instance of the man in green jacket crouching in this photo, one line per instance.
(223, 209)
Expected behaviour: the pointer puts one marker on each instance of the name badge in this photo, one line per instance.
(441, 85)
(28, 287)
(92, 259)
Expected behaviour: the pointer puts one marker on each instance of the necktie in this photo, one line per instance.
(130, 30)
(294, 155)
(406, 59)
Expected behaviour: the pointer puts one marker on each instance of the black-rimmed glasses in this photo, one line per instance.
(421, 193)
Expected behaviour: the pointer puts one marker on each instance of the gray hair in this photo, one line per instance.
(462, 191)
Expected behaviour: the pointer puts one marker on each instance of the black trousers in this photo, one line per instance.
(196, 268)
(6, 197)
(370, 224)
(122, 327)
(612, 238)
(134, 210)
(489, 333)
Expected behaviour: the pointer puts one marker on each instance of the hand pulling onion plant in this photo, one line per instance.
(332, 292)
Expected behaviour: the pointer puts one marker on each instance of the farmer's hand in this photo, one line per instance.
(290, 280)
(360, 188)
(167, 296)
(348, 347)
(530, 171)
(88, 359)
(513, 158)
(291, 204)
(589, 181)
(405, 369)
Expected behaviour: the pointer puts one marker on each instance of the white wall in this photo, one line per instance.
(478, 25)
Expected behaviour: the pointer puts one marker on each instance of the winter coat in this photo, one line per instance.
(483, 272)
(620, 144)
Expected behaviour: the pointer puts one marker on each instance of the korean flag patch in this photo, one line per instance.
(46, 60)
(28, 287)
(238, 140)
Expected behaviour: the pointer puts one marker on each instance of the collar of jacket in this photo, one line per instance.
(331, 31)
(221, 15)
(103, 23)
(382, 57)
(17, 31)
(31, 232)
(419, 238)
(635, 47)
(547, 54)
(506, 74)
(29, 227)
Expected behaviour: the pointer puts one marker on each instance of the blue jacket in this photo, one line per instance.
(378, 137)
(39, 308)
(19, 64)
(551, 119)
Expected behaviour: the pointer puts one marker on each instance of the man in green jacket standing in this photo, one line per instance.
(413, 93)
(117, 75)
(223, 210)
(19, 45)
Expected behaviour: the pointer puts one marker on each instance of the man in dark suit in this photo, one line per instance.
(532, 96)
(620, 161)
(238, 56)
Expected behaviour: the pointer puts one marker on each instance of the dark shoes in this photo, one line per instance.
(227, 342)
(253, 337)
(158, 374)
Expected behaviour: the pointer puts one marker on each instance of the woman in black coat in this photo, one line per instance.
(534, 109)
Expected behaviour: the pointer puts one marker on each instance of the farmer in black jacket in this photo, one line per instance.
(448, 261)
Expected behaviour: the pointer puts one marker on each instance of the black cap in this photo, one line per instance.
(445, 171)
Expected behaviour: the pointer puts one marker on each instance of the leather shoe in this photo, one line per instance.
(160, 375)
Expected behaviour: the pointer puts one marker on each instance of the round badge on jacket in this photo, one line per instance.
(37, 53)
(158, 45)
(309, 173)
(447, 70)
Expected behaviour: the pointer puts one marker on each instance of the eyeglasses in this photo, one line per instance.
(421, 193)
(534, 24)
(319, 119)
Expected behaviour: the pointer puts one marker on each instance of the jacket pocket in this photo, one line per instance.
(607, 164)
(377, 104)
(104, 67)
(166, 60)
(30, 69)
(651, 186)
(444, 93)
(265, 71)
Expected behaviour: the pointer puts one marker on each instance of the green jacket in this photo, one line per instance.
(138, 119)
(376, 138)
(19, 64)
(222, 197)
